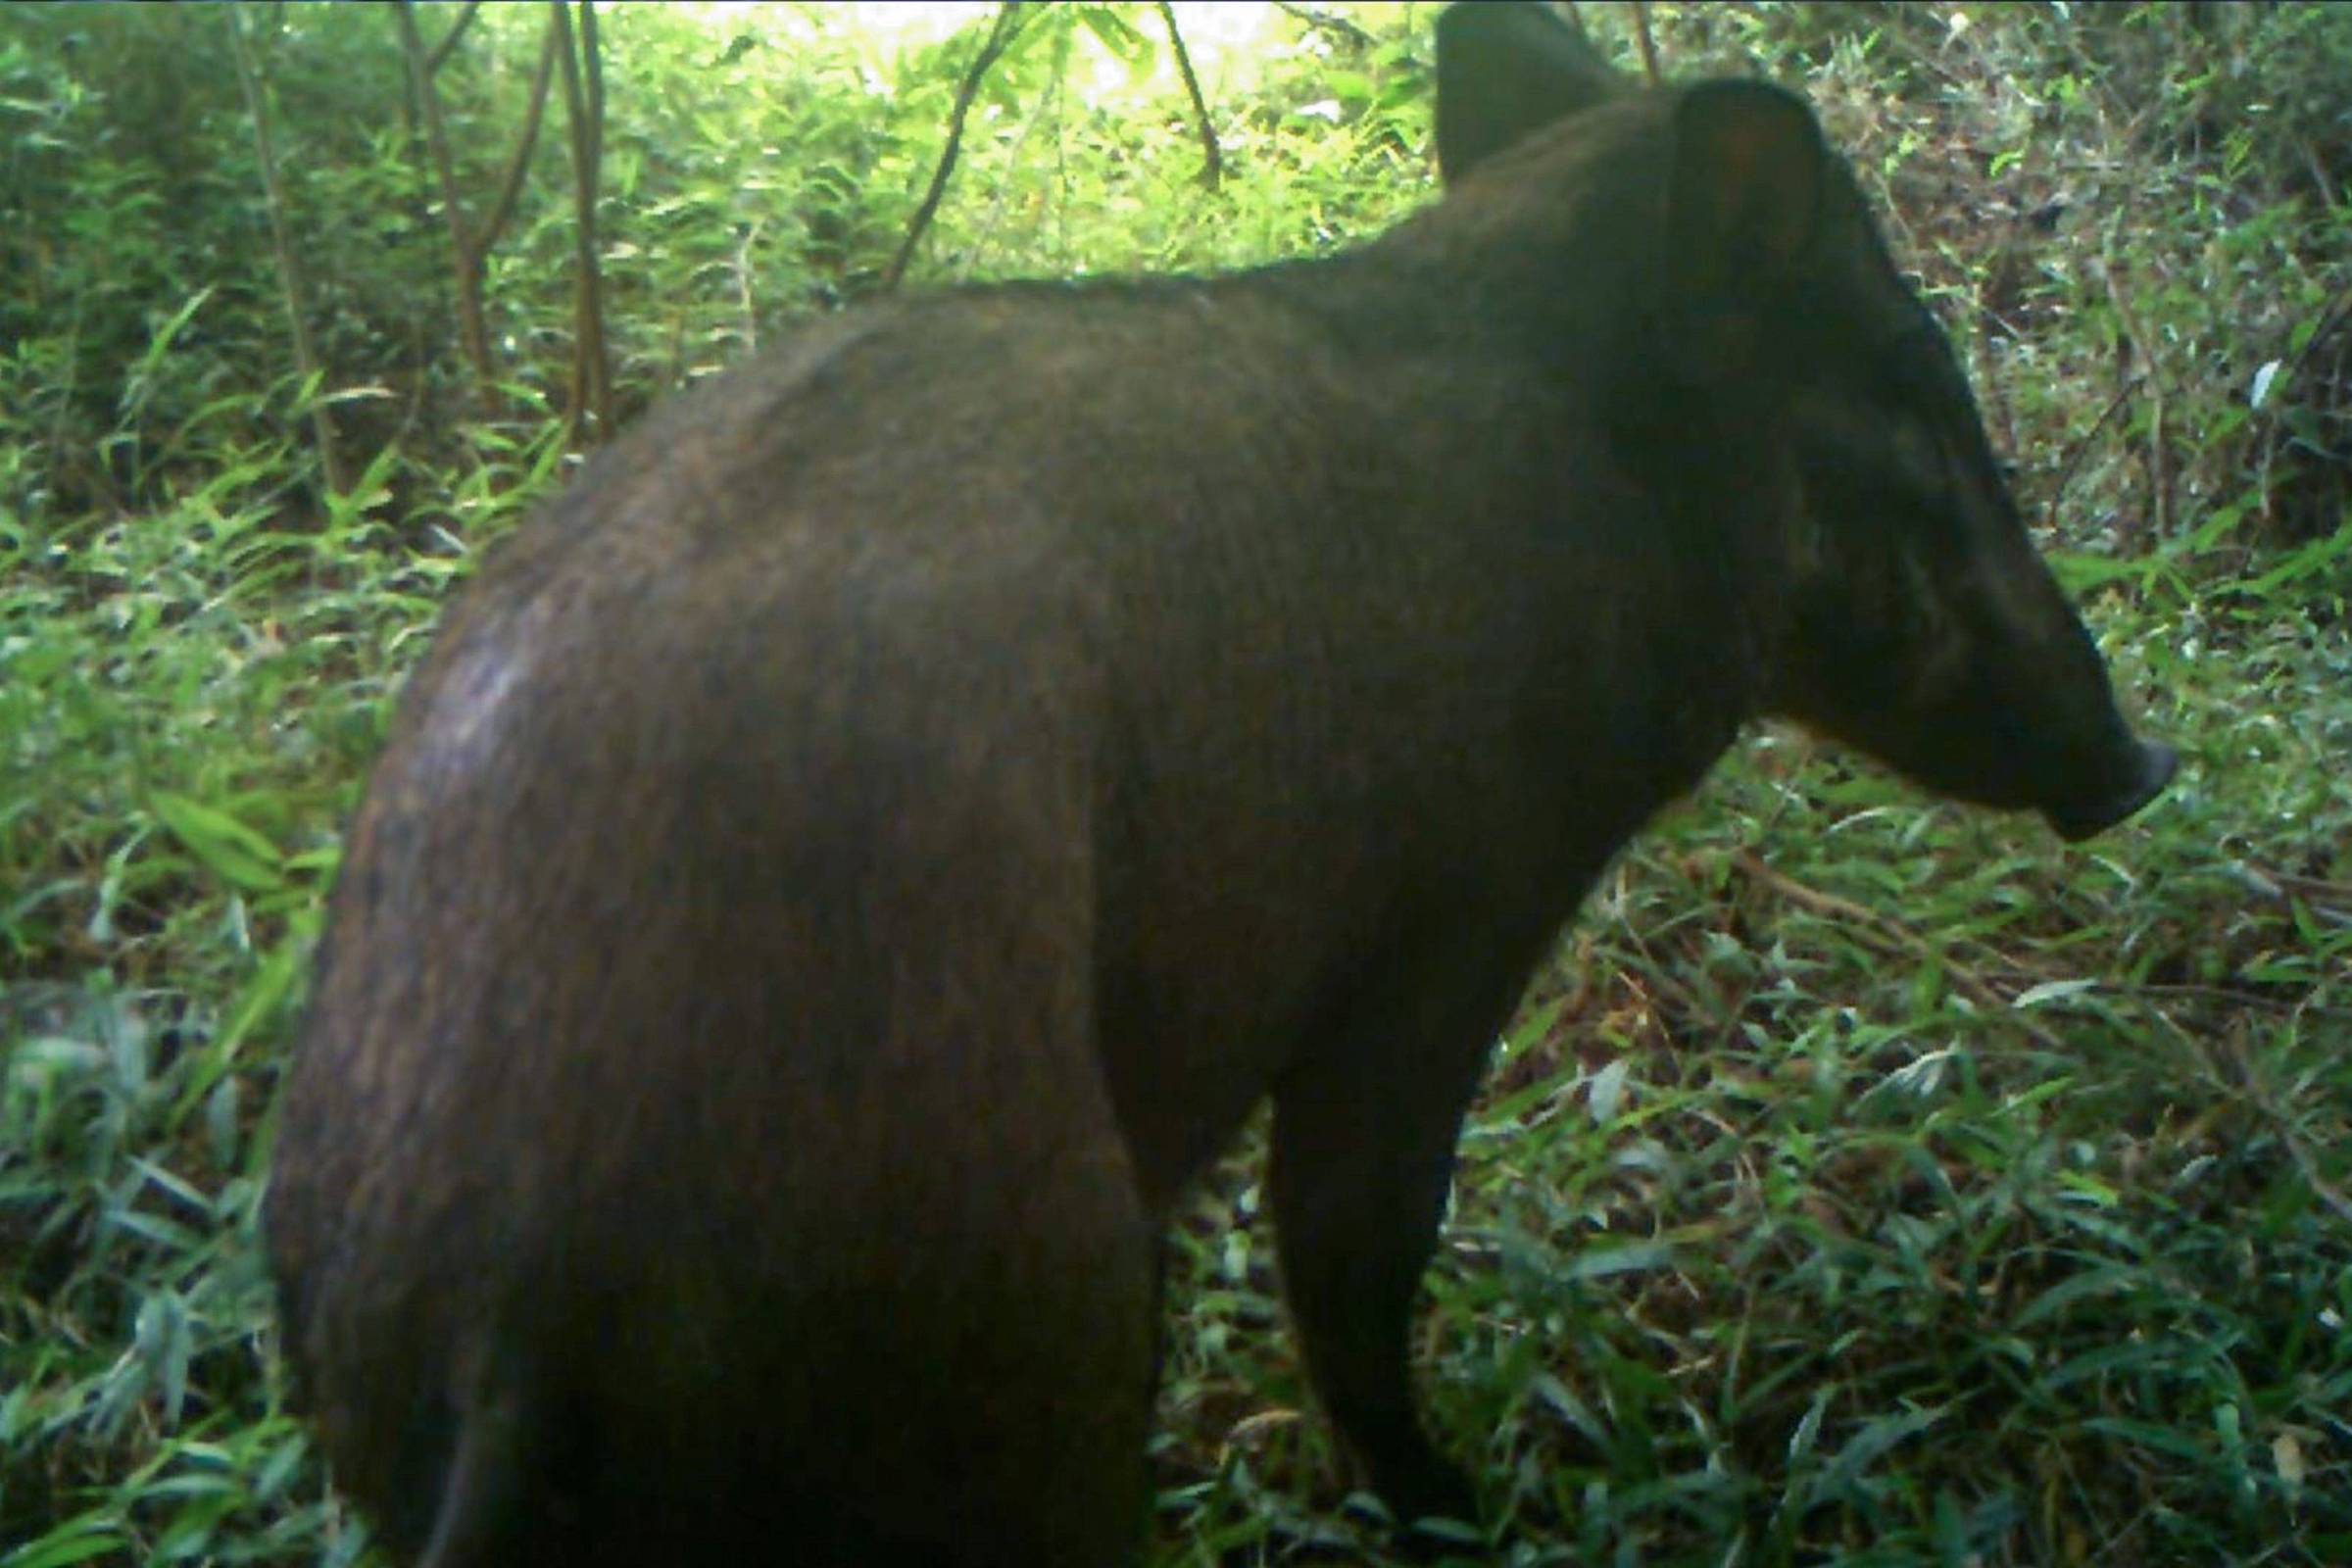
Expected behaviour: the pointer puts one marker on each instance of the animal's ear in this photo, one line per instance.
(1749, 173)
(1505, 70)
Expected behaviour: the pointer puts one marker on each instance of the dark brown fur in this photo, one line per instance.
(841, 872)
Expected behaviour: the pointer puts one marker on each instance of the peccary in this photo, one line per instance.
(840, 870)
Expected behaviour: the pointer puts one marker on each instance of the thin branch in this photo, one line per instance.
(2081, 446)
(1892, 932)
(2329, 321)
(591, 378)
(2322, 335)
(289, 272)
(509, 186)
(2250, 1091)
(1329, 22)
(449, 40)
(2318, 172)
(2159, 453)
(1649, 47)
(2300, 1153)
(1001, 33)
(465, 261)
(470, 246)
(2285, 887)
(1993, 390)
(592, 55)
(2241, 1000)
(1212, 161)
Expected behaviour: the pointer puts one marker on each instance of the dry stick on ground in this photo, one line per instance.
(2285, 887)
(591, 372)
(1658, 979)
(2239, 999)
(289, 272)
(1883, 931)
(1974, 986)
(1001, 33)
(2316, 887)
(467, 249)
(2249, 1091)
(2279, 885)
(2301, 1155)
(1212, 158)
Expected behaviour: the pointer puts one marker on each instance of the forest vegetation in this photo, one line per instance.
(1866, 1180)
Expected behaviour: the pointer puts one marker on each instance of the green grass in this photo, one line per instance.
(1868, 1180)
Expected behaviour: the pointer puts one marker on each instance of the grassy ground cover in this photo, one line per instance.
(1866, 1180)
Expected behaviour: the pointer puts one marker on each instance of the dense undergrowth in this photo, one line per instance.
(1869, 1180)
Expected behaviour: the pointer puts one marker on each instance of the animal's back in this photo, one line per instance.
(837, 871)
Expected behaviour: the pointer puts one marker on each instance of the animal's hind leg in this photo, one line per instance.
(1364, 1133)
(1064, 1479)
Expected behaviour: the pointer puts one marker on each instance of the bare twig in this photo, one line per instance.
(1000, 35)
(1995, 390)
(2246, 1088)
(1329, 22)
(468, 246)
(449, 40)
(2317, 171)
(1649, 47)
(1909, 48)
(1883, 931)
(2329, 320)
(289, 272)
(1212, 157)
(2315, 887)
(2300, 1154)
(2159, 454)
(509, 186)
(744, 250)
(591, 378)
(2323, 333)
(2083, 443)
(2285, 887)
(2239, 1000)
(592, 56)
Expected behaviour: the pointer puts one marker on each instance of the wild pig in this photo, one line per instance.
(842, 870)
